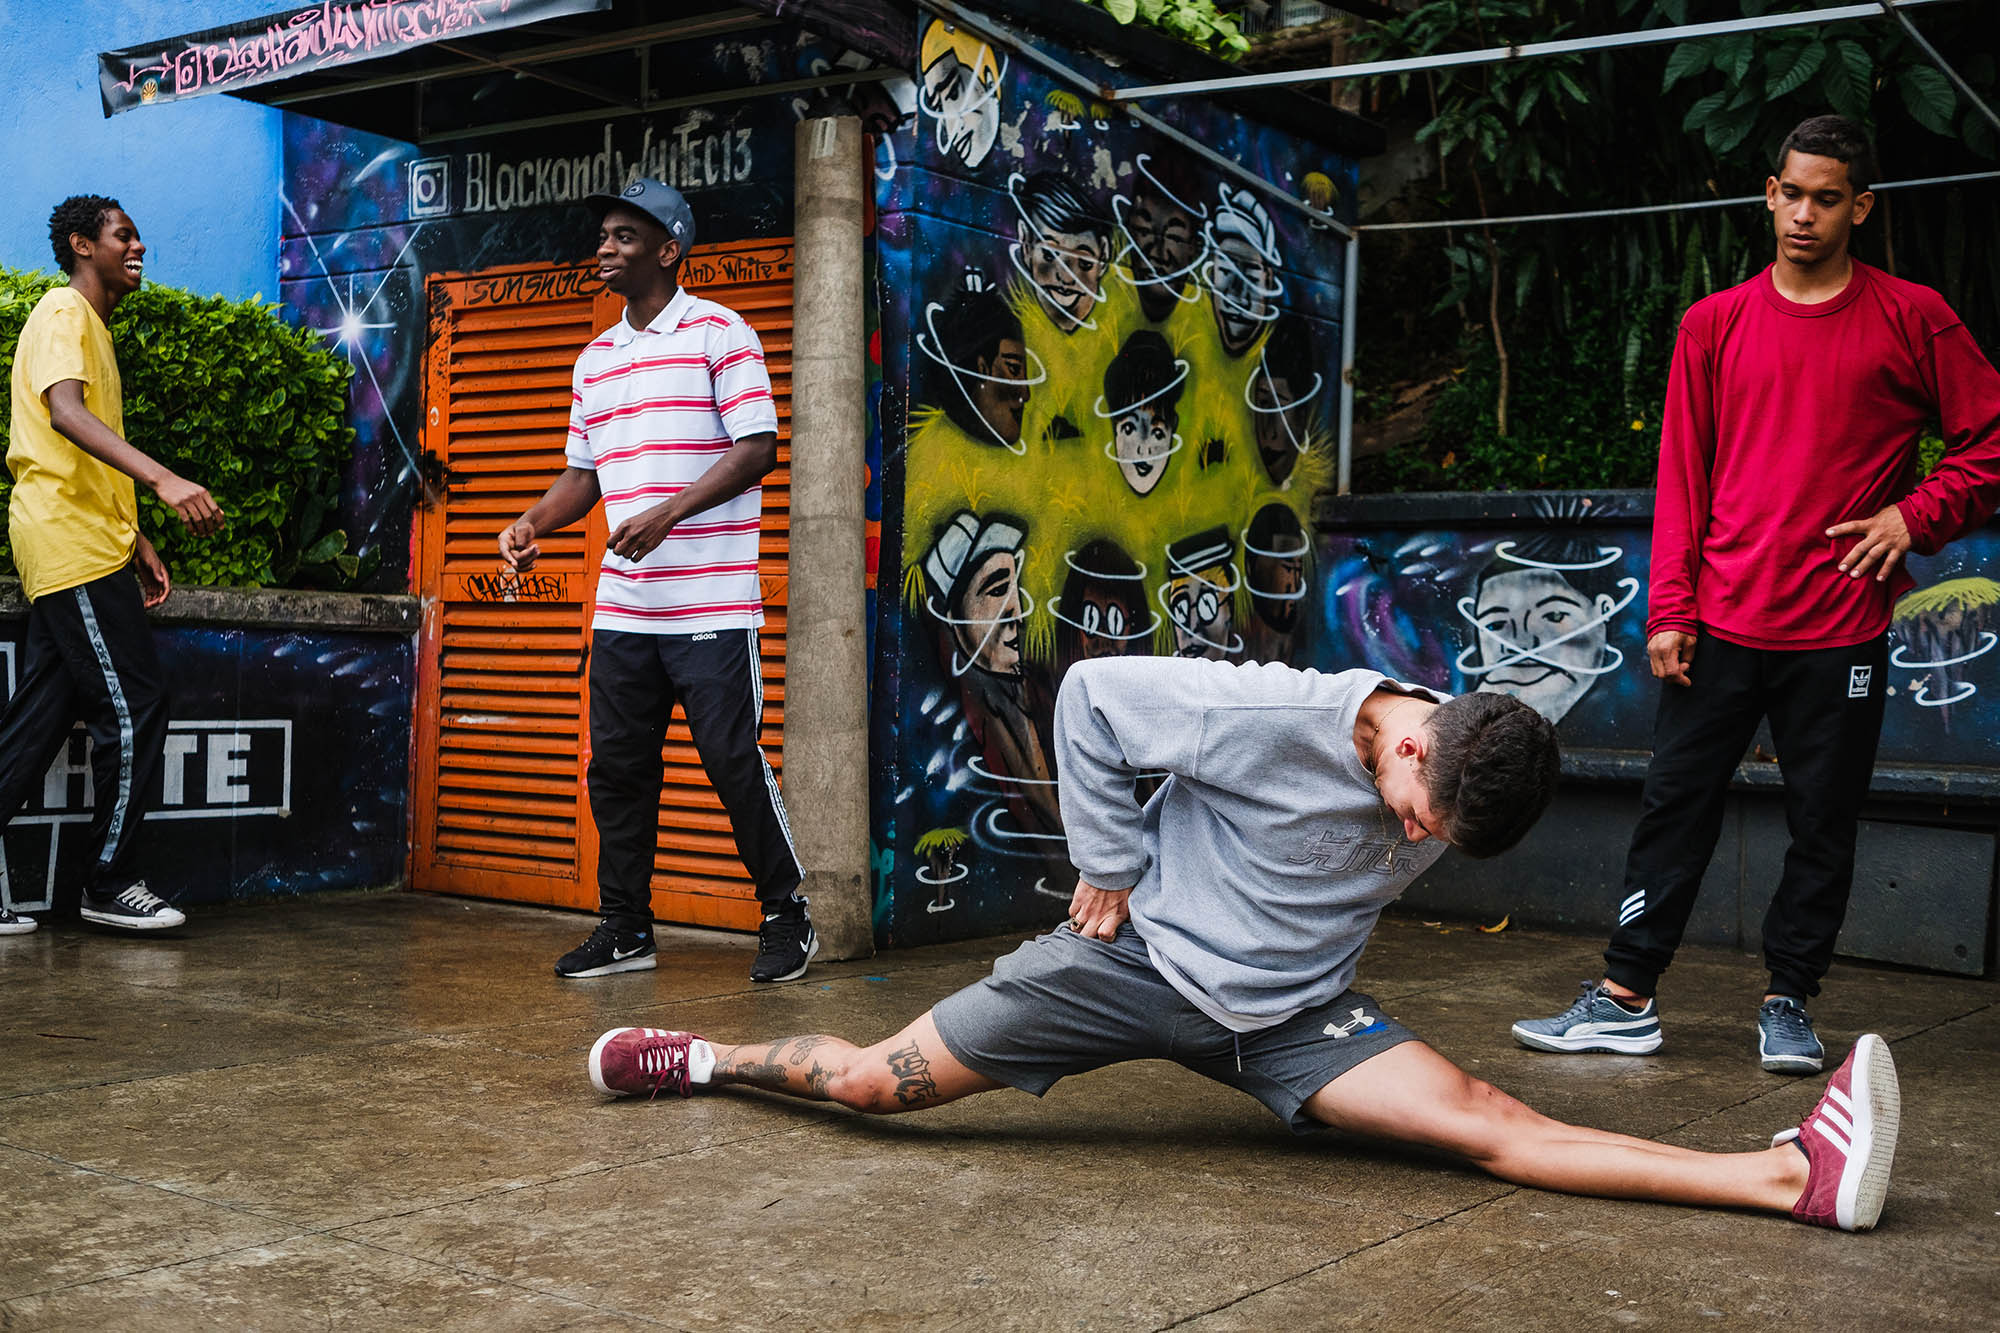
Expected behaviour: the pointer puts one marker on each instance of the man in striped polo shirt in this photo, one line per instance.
(672, 424)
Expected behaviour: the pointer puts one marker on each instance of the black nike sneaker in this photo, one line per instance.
(785, 944)
(610, 950)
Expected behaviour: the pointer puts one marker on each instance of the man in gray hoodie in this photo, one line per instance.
(1218, 926)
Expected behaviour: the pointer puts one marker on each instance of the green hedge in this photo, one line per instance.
(228, 395)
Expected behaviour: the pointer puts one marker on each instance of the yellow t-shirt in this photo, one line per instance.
(71, 518)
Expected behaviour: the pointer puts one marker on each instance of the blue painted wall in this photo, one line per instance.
(199, 177)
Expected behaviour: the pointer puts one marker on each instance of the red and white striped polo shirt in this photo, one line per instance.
(651, 410)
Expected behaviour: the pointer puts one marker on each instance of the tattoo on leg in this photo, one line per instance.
(799, 1049)
(914, 1084)
(782, 1066)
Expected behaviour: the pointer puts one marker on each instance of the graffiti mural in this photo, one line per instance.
(242, 808)
(1549, 604)
(1113, 430)
(365, 220)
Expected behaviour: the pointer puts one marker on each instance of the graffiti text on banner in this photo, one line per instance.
(768, 265)
(316, 37)
(537, 285)
(685, 158)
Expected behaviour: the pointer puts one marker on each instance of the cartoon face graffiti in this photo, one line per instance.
(1102, 610)
(1243, 269)
(1202, 580)
(977, 339)
(974, 569)
(1060, 247)
(1141, 400)
(1274, 550)
(1280, 392)
(1541, 610)
(1162, 235)
(961, 92)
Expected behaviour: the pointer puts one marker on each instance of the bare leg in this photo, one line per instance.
(908, 1072)
(1411, 1094)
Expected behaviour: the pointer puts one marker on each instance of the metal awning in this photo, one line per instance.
(429, 70)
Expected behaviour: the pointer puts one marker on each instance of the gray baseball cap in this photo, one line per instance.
(658, 201)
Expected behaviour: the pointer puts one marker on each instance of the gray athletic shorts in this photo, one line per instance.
(1062, 1004)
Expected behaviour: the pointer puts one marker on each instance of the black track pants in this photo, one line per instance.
(635, 680)
(1825, 707)
(89, 655)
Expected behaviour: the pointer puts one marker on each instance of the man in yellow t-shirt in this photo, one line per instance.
(73, 519)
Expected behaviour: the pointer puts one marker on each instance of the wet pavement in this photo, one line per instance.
(370, 1111)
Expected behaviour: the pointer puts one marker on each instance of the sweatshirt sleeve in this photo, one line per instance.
(1680, 508)
(1962, 492)
(1115, 719)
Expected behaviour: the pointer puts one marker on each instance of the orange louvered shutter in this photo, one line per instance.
(499, 803)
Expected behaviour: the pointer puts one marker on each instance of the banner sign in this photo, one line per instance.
(243, 55)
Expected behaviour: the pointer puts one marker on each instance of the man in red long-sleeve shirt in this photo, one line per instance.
(1788, 495)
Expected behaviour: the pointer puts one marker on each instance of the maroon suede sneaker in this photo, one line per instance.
(1850, 1140)
(639, 1062)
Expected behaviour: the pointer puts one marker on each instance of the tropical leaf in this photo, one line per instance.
(1724, 133)
(1930, 98)
(1687, 59)
(1701, 112)
(1848, 79)
(1733, 55)
(1804, 63)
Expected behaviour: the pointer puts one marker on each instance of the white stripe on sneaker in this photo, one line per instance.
(1839, 1119)
(1834, 1137)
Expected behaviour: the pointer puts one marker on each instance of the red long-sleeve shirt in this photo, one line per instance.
(1784, 419)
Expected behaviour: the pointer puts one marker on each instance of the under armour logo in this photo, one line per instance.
(1361, 1022)
(1858, 679)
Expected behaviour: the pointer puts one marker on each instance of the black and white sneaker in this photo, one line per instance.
(132, 908)
(786, 942)
(13, 923)
(610, 950)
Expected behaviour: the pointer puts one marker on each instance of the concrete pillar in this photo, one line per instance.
(826, 662)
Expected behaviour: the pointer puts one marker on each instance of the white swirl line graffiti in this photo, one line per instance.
(1264, 312)
(1105, 630)
(1283, 410)
(980, 770)
(1096, 294)
(1126, 271)
(1274, 553)
(1606, 555)
(991, 815)
(960, 667)
(1109, 413)
(1517, 654)
(1203, 609)
(934, 349)
(1921, 695)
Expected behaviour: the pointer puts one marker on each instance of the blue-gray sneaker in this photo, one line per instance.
(1786, 1042)
(1596, 1022)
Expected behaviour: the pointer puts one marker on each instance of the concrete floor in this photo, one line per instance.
(371, 1112)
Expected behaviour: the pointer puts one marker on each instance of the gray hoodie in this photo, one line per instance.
(1259, 867)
